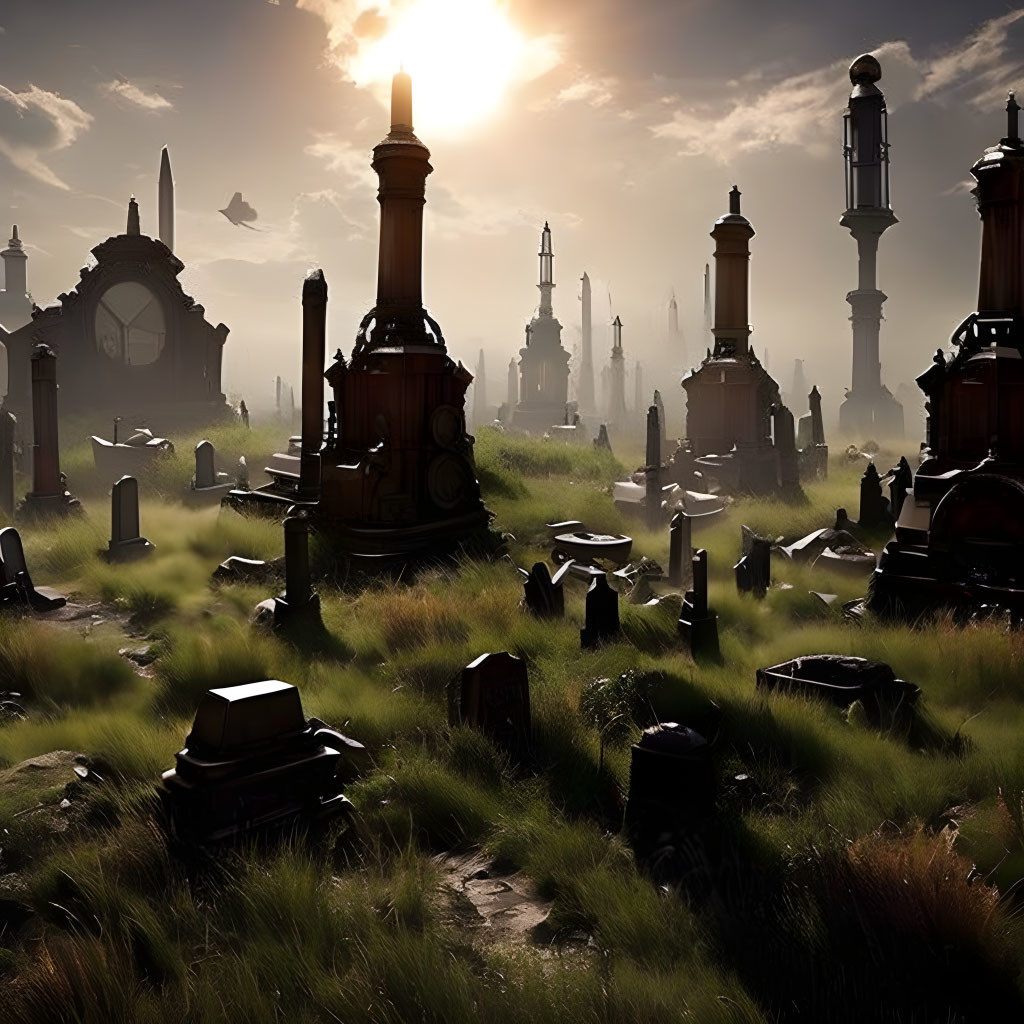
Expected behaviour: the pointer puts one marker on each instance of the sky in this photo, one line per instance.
(621, 122)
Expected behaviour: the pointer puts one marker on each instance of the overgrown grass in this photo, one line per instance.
(840, 826)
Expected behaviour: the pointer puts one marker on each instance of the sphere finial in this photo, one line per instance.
(865, 70)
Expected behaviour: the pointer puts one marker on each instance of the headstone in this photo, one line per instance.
(602, 441)
(543, 593)
(314, 355)
(754, 569)
(8, 426)
(902, 481)
(126, 543)
(205, 473)
(785, 445)
(874, 509)
(661, 419)
(680, 553)
(243, 474)
(495, 698)
(16, 583)
(602, 614)
(818, 445)
(243, 412)
(697, 625)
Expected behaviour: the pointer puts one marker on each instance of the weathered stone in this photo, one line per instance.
(126, 543)
(602, 614)
(494, 697)
(698, 627)
(754, 569)
(16, 586)
(542, 592)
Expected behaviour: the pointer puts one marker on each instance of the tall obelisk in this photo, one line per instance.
(166, 201)
(586, 386)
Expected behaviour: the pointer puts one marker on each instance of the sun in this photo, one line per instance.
(463, 56)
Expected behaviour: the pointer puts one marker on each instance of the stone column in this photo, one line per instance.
(314, 355)
(652, 474)
(46, 445)
(298, 587)
(8, 425)
(680, 551)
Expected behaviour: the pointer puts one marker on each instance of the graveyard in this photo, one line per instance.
(670, 687)
(825, 818)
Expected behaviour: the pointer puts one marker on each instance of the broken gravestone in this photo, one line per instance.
(697, 625)
(494, 697)
(754, 569)
(543, 593)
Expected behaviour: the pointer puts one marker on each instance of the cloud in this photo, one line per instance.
(129, 93)
(340, 155)
(596, 92)
(802, 110)
(35, 123)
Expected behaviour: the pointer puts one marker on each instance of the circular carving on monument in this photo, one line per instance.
(446, 425)
(448, 481)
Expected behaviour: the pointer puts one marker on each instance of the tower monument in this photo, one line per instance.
(869, 408)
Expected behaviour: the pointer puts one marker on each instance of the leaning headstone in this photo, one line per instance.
(126, 543)
(874, 509)
(680, 551)
(16, 584)
(299, 604)
(602, 441)
(754, 569)
(785, 446)
(602, 611)
(543, 593)
(8, 426)
(697, 625)
(494, 697)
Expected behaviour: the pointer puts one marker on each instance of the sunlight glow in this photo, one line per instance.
(463, 56)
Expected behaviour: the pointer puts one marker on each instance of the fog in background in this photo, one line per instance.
(624, 125)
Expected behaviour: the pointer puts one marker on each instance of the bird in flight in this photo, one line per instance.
(238, 211)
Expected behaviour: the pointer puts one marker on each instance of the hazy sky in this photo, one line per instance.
(622, 123)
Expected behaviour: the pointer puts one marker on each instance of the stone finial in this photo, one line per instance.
(734, 200)
(1012, 123)
(133, 227)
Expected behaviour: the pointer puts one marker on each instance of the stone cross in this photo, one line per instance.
(314, 355)
(205, 474)
(495, 698)
(8, 425)
(680, 551)
(602, 611)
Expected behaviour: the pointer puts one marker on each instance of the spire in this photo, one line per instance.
(1012, 124)
(165, 201)
(133, 218)
(547, 279)
(586, 382)
(15, 242)
(616, 336)
(401, 103)
(734, 200)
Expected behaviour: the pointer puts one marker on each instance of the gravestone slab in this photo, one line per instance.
(126, 543)
(16, 584)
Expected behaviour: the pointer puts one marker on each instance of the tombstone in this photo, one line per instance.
(299, 604)
(902, 481)
(208, 484)
(243, 413)
(542, 592)
(874, 509)
(697, 625)
(8, 426)
(16, 584)
(494, 697)
(680, 551)
(126, 543)
(652, 472)
(785, 445)
(48, 496)
(242, 483)
(672, 786)
(602, 610)
(602, 441)
(754, 569)
(818, 445)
